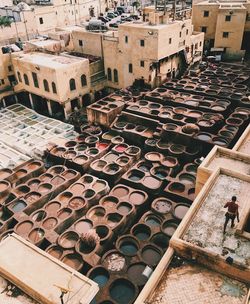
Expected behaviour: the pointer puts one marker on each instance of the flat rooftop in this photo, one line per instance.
(147, 25)
(194, 284)
(206, 228)
(48, 60)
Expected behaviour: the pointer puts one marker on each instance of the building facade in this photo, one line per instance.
(226, 25)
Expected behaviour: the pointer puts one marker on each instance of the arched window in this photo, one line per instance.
(26, 79)
(46, 85)
(109, 74)
(72, 84)
(115, 75)
(54, 88)
(19, 77)
(130, 68)
(83, 80)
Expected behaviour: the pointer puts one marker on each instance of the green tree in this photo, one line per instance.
(5, 21)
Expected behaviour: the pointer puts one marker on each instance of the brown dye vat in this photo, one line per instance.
(70, 144)
(4, 173)
(81, 160)
(96, 213)
(50, 223)
(137, 198)
(36, 235)
(69, 174)
(141, 231)
(46, 177)
(55, 170)
(134, 273)
(98, 165)
(162, 205)
(34, 183)
(99, 186)
(187, 179)
(38, 216)
(68, 239)
(190, 129)
(180, 211)
(24, 227)
(114, 261)
(169, 161)
(55, 251)
(114, 219)
(58, 151)
(64, 213)
(77, 188)
(110, 202)
(153, 156)
(53, 207)
(121, 191)
(74, 260)
(21, 173)
(125, 208)
(151, 255)
(111, 157)
(151, 182)
(77, 203)
(83, 226)
(133, 151)
(44, 188)
(122, 160)
(34, 165)
(204, 136)
(32, 197)
(168, 227)
(4, 186)
(117, 140)
(57, 180)
(65, 196)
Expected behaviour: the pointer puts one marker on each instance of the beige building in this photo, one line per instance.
(38, 19)
(56, 81)
(152, 51)
(226, 25)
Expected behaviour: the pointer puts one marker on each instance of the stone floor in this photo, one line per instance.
(206, 229)
(197, 285)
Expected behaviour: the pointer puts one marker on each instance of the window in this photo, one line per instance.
(26, 79)
(200, 43)
(46, 85)
(196, 46)
(109, 74)
(142, 63)
(204, 29)
(142, 42)
(19, 77)
(130, 68)
(9, 68)
(2, 81)
(206, 14)
(35, 80)
(180, 34)
(170, 40)
(126, 39)
(41, 20)
(72, 84)
(83, 80)
(225, 34)
(80, 43)
(115, 75)
(54, 88)
(186, 31)
(228, 18)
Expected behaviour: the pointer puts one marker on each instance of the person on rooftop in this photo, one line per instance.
(232, 212)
